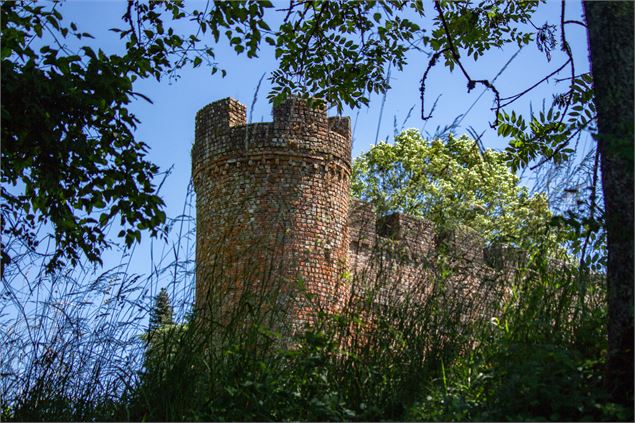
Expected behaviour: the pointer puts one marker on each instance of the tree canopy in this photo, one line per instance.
(451, 183)
(70, 157)
(162, 313)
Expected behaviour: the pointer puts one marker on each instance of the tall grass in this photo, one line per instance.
(70, 346)
(367, 361)
(525, 343)
(541, 358)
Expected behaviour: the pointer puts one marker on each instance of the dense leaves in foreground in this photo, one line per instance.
(71, 162)
(68, 151)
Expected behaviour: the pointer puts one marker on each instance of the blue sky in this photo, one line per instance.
(167, 125)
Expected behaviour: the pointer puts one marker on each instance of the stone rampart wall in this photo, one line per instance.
(399, 256)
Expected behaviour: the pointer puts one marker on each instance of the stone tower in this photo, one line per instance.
(272, 205)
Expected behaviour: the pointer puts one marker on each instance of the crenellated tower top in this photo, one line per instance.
(298, 129)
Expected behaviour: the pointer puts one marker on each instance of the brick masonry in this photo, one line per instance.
(274, 213)
(272, 204)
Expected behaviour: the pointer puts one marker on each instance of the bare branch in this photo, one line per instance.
(571, 21)
(422, 86)
(515, 97)
(567, 50)
(471, 83)
(127, 17)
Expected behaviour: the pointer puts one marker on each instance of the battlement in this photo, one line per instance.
(303, 116)
(341, 125)
(420, 238)
(299, 132)
(217, 117)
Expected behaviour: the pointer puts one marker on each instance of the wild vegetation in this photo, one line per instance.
(76, 345)
(449, 183)
(85, 352)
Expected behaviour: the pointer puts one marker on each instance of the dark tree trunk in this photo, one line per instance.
(610, 29)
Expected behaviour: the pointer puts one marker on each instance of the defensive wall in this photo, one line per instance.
(274, 212)
(398, 256)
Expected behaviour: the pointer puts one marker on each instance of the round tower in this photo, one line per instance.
(272, 207)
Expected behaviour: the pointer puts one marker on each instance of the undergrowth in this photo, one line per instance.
(81, 350)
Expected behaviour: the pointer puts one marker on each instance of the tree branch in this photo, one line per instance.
(563, 144)
(515, 97)
(127, 17)
(567, 50)
(422, 86)
(471, 83)
(571, 21)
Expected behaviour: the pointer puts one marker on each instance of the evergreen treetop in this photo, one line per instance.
(162, 313)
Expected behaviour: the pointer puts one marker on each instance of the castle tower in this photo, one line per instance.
(272, 206)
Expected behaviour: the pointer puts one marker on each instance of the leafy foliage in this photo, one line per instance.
(68, 144)
(70, 156)
(336, 51)
(478, 27)
(451, 183)
(549, 133)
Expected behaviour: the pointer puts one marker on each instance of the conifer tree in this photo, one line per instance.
(162, 313)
